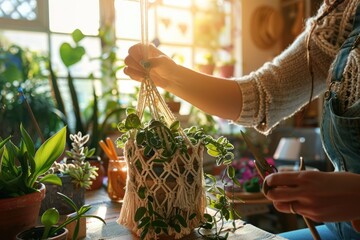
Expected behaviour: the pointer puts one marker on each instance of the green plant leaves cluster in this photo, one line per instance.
(148, 219)
(155, 136)
(51, 217)
(22, 166)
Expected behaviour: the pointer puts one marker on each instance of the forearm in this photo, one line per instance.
(216, 96)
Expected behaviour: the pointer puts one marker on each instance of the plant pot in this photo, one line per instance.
(36, 233)
(97, 183)
(227, 71)
(20, 213)
(206, 68)
(174, 106)
(52, 199)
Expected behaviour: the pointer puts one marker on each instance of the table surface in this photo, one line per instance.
(102, 206)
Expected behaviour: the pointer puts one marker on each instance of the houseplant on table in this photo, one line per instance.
(22, 174)
(76, 173)
(51, 227)
(164, 192)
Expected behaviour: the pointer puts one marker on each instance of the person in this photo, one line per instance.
(324, 58)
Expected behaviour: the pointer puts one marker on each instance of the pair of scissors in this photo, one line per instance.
(264, 169)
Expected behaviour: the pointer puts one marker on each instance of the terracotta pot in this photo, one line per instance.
(36, 233)
(20, 213)
(97, 183)
(207, 69)
(227, 71)
(174, 106)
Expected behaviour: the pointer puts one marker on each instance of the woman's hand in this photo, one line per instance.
(320, 196)
(161, 68)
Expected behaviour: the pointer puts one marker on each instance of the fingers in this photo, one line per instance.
(287, 207)
(134, 74)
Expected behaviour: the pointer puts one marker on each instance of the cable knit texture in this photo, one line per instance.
(282, 87)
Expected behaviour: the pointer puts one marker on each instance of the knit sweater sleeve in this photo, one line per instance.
(282, 87)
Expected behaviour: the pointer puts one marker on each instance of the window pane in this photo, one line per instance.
(127, 19)
(24, 10)
(32, 40)
(174, 25)
(67, 15)
(83, 68)
(182, 3)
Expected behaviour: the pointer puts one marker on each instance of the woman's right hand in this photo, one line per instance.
(162, 67)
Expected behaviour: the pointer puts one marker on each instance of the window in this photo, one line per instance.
(186, 30)
(24, 14)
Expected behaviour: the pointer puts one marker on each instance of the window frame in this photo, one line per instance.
(41, 24)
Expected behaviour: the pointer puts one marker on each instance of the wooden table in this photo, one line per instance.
(102, 206)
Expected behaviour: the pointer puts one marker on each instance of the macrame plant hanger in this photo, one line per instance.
(178, 188)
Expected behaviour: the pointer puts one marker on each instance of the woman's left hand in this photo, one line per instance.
(320, 196)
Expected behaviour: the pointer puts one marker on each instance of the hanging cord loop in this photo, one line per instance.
(149, 96)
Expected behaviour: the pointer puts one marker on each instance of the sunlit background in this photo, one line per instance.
(192, 32)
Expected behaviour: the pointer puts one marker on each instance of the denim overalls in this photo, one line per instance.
(340, 130)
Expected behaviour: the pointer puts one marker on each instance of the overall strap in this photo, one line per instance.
(348, 45)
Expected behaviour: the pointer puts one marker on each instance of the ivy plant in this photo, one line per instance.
(156, 136)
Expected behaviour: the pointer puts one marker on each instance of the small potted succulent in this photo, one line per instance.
(51, 227)
(165, 179)
(76, 173)
(23, 171)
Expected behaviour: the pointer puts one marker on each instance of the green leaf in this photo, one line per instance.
(177, 228)
(144, 222)
(221, 190)
(159, 223)
(175, 126)
(231, 172)
(192, 216)
(144, 233)
(141, 192)
(236, 181)
(213, 153)
(208, 217)
(12, 73)
(71, 55)
(2, 143)
(51, 178)
(132, 121)
(150, 208)
(49, 218)
(130, 111)
(139, 214)
(140, 137)
(77, 35)
(49, 151)
(25, 137)
(181, 220)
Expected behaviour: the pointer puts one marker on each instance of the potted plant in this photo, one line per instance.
(52, 229)
(77, 175)
(207, 65)
(227, 68)
(164, 192)
(22, 174)
(173, 105)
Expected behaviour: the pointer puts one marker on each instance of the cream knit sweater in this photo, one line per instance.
(282, 87)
